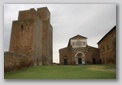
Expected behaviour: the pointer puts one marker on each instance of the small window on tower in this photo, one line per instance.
(21, 26)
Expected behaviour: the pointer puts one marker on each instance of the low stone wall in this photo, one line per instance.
(13, 61)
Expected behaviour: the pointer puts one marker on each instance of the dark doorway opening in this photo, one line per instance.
(65, 61)
(79, 60)
(94, 60)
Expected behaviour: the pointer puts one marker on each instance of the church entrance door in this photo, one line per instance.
(94, 60)
(79, 60)
(65, 61)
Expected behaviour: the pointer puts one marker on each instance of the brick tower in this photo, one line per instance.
(32, 35)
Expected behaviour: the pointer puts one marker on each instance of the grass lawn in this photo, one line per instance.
(65, 72)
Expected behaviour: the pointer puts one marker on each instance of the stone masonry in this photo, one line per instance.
(31, 35)
(78, 52)
(107, 47)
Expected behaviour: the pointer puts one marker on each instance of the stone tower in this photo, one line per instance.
(32, 35)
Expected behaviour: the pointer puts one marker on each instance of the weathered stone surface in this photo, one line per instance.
(107, 47)
(32, 35)
(13, 61)
(78, 52)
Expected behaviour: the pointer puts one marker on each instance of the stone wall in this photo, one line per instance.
(107, 47)
(89, 53)
(22, 36)
(13, 61)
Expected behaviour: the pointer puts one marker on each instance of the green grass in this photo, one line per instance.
(65, 72)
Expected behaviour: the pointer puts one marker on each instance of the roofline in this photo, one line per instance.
(43, 8)
(78, 35)
(107, 34)
(62, 48)
(92, 47)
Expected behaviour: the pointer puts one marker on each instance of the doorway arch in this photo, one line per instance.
(65, 60)
(80, 58)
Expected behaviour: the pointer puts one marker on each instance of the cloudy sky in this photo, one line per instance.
(90, 20)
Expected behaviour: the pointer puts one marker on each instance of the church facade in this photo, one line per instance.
(32, 35)
(79, 52)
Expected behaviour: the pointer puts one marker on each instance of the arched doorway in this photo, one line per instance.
(80, 58)
(65, 60)
(94, 60)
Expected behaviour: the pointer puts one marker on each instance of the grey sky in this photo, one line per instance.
(90, 20)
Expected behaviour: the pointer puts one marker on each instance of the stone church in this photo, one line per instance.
(32, 35)
(79, 52)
